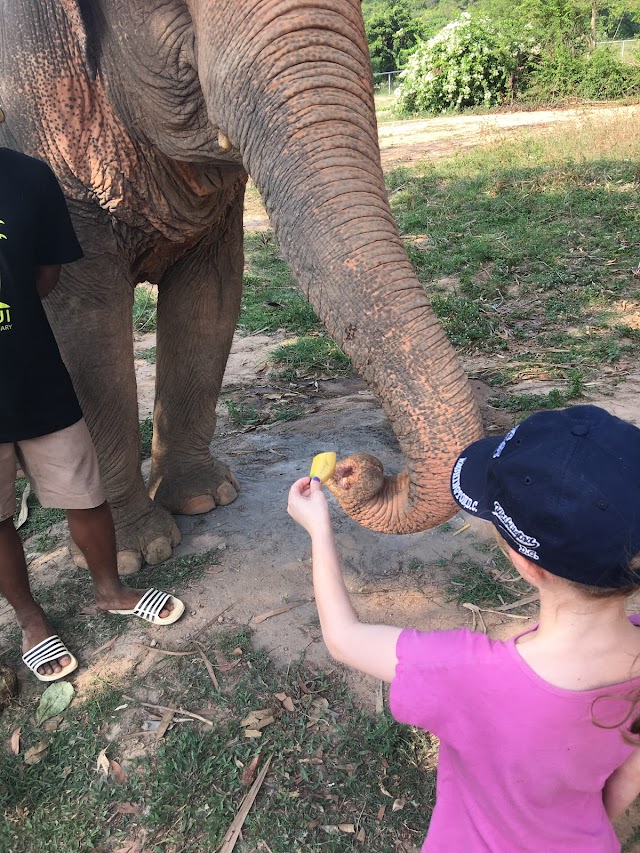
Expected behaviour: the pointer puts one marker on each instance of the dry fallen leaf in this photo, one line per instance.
(128, 808)
(361, 836)
(52, 724)
(381, 812)
(252, 733)
(346, 827)
(117, 771)
(102, 764)
(15, 741)
(254, 717)
(398, 805)
(278, 610)
(317, 710)
(66, 771)
(287, 701)
(36, 753)
(249, 773)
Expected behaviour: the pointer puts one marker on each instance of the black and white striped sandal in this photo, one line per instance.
(150, 606)
(49, 650)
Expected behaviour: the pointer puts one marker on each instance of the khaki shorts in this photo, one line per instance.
(62, 468)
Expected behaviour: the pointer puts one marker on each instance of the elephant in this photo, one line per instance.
(153, 115)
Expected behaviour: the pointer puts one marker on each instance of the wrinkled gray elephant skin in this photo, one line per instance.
(152, 114)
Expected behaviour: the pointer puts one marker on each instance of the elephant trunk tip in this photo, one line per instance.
(386, 503)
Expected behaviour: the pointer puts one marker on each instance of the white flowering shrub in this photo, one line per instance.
(467, 64)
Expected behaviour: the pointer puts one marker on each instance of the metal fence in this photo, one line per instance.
(385, 82)
(627, 50)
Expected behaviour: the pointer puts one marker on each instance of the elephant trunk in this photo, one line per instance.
(298, 105)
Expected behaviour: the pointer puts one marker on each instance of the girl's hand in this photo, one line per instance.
(308, 506)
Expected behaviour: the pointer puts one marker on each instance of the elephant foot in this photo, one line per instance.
(146, 533)
(193, 489)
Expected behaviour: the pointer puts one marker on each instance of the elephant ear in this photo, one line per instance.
(80, 18)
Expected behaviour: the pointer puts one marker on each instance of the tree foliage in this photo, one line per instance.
(467, 64)
(392, 34)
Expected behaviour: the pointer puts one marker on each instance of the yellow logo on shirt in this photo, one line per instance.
(2, 236)
(5, 317)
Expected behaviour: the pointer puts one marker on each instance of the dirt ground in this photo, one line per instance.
(264, 556)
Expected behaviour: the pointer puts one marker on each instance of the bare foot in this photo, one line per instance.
(126, 599)
(35, 629)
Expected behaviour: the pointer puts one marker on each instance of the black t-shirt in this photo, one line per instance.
(36, 394)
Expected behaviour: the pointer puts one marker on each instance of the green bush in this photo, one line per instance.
(467, 64)
(598, 76)
(392, 34)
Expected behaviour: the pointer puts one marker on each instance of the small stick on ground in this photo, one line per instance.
(379, 697)
(163, 651)
(109, 645)
(165, 722)
(164, 708)
(211, 622)
(236, 826)
(477, 616)
(209, 667)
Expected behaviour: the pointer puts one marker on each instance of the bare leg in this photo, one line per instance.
(198, 306)
(93, 532)
(14, 585)
(91, 313)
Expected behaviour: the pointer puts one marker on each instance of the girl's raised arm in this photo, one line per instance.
(368, 648)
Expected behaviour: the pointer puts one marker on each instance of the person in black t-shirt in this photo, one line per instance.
(41, 424)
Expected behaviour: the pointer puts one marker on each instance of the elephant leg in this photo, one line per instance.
(91, 314)
(198, 306)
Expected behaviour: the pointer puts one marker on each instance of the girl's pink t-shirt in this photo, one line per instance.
(522, 764)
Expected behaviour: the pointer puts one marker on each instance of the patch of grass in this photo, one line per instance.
(40, 518)
(146, 438)
(177, 571)
(270, 297)
(415, 565)
(46, 542)
(243, 414)
(310, 357)
(246, 414)
(147, 354)
(524, 404)
(285, 412)
(329, 763)
(145, 309)
(61, 804)
(321, 775)
(537, 235)
(483, 586)
(466, 322)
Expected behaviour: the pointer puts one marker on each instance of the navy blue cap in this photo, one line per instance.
(563, 489)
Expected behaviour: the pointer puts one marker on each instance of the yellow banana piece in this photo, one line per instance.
(323, 466)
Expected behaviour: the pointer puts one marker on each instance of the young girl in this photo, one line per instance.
(537, 734)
